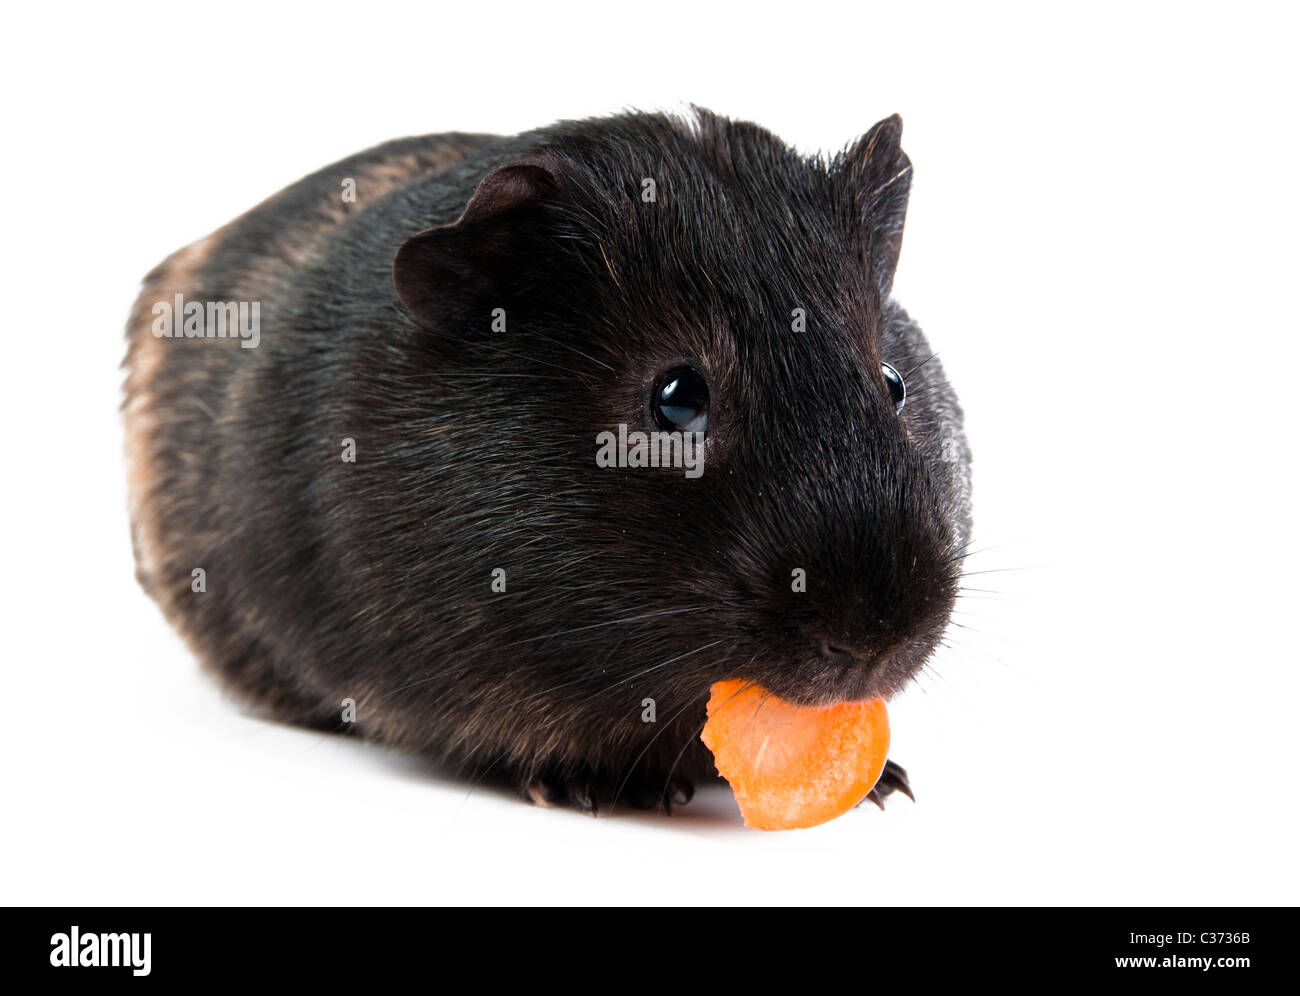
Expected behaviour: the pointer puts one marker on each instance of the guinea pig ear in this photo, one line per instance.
(881, 176)
(472, 254)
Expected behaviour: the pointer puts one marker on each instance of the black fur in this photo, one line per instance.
(475, 449)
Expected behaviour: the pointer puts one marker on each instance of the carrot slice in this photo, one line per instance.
(793, 766)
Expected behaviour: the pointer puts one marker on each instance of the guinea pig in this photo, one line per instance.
(364, 425)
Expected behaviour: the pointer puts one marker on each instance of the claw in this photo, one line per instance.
(541, 792)
(892, 779)
(587, 794)
(906, 789)
(679, 792)
(583, 799)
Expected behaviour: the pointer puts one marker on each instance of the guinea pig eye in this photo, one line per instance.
(680, 401)
(897, 389)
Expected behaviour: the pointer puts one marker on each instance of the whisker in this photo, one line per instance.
(693, 737)
(612, 622)
(919, 365)
(637, 760)
(622, 681)
(574, 349)
(996, 570)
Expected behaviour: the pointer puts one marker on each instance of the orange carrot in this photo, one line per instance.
(793, 766)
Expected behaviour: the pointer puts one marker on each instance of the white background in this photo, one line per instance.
(1102, 245)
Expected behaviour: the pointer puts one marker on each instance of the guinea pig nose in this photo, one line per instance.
(837, 655)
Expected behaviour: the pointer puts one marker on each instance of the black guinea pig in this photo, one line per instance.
(365, 425)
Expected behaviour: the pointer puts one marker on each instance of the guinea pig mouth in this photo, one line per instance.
(836, 675)
(858, 684)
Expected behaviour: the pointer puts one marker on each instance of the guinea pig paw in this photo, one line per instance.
(541, 792)
(892, 779)
(588, 793)
(556, 788)
(655, 792)
(583, 796)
